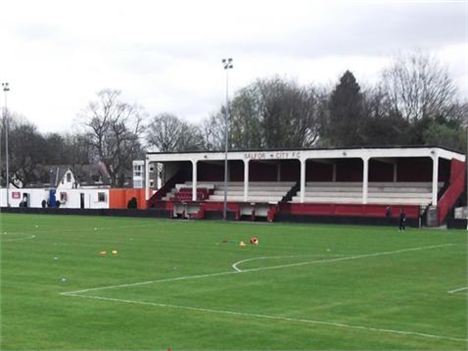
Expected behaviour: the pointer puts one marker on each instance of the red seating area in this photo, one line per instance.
(185, 194)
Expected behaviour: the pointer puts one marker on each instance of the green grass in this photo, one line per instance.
(360, 287)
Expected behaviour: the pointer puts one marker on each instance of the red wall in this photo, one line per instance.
(418, 169)
(236, 171)
(118, 198)
(444, 170)
(290, 170)
(318, 172)
(351, 210)
(349, 170)
(380, 171)
(214, 172)
(210, 172)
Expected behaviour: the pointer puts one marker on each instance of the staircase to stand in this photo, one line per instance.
(454, 190)
(292, 192)
(180, 177)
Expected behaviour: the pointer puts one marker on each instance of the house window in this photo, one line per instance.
(137, 170)
(151, 183)
(68, 177)
(101, 197)
(151, 168)
(63, 197)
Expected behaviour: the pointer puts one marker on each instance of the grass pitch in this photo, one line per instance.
(189, 286)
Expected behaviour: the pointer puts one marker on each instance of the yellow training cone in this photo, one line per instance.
(242, 244)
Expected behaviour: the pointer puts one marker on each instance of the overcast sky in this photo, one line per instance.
(166, 55)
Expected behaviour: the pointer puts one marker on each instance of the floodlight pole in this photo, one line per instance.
(6, 88)
(227, 64)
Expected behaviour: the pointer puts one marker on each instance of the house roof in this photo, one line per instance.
(87, 174)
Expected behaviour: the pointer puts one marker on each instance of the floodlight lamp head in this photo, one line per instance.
(227, 63)
(5, 87)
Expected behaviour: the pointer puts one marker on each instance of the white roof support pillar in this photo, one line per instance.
(303, 180)
(194, 180)
(365, 179)
(435, 179)
(246, 180)
(147, 180)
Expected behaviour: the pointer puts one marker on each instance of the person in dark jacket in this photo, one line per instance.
(402, 220)
(388, 214)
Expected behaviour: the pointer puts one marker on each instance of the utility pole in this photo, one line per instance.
(6, 89)
(227, 64)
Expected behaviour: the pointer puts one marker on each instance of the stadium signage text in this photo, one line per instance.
(272, 155)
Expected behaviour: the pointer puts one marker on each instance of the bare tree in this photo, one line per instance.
(164, 132)
(113, 129)
(289, 114)
(271, 113)
(78, 148)
(167, 132)
(27, 150)
(419, 86)
(212, 130)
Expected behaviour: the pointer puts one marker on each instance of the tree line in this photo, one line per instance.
(414, 102)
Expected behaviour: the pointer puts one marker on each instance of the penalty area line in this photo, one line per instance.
(238, 271)
(277, 318)
(198, 276)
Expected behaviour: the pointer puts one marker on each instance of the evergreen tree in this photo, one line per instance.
(345, 121)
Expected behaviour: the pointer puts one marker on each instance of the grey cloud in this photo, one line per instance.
(38, 31)
(372, 30)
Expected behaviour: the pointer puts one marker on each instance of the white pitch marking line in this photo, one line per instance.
(74, 293)
(198, 276)
(457, 290)
(234, 266)
(5, 235)
(279, 318)
(347, 258)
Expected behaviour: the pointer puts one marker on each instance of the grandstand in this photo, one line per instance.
(274, 184)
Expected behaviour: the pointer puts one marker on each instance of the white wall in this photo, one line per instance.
(73, 197)
(35, 196)
(90, 198)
